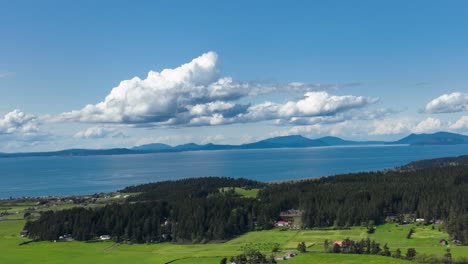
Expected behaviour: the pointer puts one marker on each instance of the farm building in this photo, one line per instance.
(283, 223)
(293, 216)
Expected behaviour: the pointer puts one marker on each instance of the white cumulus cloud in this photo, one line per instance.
(314, 104)
(195, 95)
(461, 123)
(390, 127)
(427, 125)
(399, 126)
(448, 103)
(17, 121)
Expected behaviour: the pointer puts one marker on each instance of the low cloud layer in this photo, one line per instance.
(461, 123)
(427, 125)
(448, 103)
(398, 126)
(98, 132)
(18, 122)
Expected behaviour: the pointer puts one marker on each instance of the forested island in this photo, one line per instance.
(199, 210)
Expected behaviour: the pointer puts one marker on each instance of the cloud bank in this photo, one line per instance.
(461, 123)
(194, 94)
(98, 132)
(448, 103)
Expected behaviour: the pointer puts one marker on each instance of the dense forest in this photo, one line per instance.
(431, 163)
(202, 209)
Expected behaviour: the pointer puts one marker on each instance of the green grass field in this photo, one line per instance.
(251, 193)
(425, 240)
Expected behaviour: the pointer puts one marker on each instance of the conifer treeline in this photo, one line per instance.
(189, 210)
(195, 209)
(354, 199)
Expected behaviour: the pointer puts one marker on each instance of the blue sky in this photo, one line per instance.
(367, 70)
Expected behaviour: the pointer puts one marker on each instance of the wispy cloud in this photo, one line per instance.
(6, 74)
(98, 132)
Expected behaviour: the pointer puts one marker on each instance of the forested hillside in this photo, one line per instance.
(353, 199)
(431, 163)
(198, 210)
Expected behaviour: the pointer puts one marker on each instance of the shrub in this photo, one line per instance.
(301, 247)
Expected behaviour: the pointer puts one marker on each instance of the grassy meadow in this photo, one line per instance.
(250, 193)
(425, 240)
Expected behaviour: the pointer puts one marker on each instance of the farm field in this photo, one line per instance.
(425, 240)
(250, 193)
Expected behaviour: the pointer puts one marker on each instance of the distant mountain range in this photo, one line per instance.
(294, 141)
(439, 138)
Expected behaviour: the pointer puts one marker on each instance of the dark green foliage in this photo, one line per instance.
(363, 246)
(140, 222)
(193, 211)
(410, 233)
(336, 248)
(196, 211)
(187, 188)
(386, 251)
(397, 253)
(431, 163)
(411, 253)
(253, 257)
(375, 248)
(301, 247)
(457, 223)
(447, 259)
(223, 261)
(371, 227)
(353, 199)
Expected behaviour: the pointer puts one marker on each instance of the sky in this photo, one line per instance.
(103, 74)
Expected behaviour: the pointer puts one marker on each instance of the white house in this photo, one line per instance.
(105, 237)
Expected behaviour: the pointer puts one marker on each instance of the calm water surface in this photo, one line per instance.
(39, 176)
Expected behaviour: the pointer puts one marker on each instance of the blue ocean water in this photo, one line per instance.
(41, 176)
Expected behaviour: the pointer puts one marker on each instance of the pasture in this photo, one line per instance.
(425, 240)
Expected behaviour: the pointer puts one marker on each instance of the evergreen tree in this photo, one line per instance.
(411, 253)
(447, 259)
(397, 253)
(386, 251)
(301, 247)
